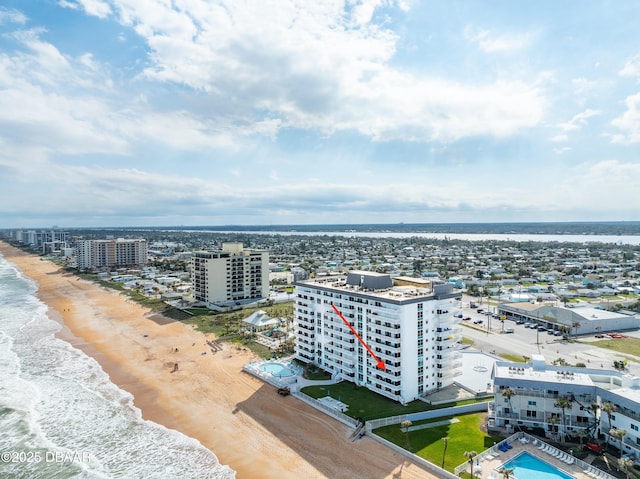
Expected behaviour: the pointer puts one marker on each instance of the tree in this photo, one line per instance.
(576, 326)
(620, 365)
(405, 425)
(625, 464)
(470, 455)
(444, 452)
(563, 403)
(509, 393)
(507, 473)
(618, 434)
(608, 408)
(593, 409)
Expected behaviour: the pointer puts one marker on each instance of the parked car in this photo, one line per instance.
(477, 321)
(508, 330)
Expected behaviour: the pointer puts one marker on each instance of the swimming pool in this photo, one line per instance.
(278, 370)
(527, 466)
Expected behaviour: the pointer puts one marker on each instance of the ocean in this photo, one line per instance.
(60, 415)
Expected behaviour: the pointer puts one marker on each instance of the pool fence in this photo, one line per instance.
(540, 445)
(254, 370)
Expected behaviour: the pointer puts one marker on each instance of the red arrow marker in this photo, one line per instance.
(379, 362)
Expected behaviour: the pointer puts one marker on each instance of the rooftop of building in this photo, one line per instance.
(380, 285)
(588, 313)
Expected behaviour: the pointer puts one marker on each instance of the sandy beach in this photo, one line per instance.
(243, 421)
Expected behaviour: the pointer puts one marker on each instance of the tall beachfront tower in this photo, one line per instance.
(97, 254)
(408, 323)
(230, 276)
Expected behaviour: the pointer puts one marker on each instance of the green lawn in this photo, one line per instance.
(622, 345)
(465, 435)
(370, 405)
(364, 403)
(515, 358)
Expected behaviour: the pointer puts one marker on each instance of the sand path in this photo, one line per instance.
(243, 421)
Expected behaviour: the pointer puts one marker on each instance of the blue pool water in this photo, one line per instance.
(278, 370)
(526, 466)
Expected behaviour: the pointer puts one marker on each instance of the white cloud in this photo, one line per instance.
(96, 8)
(491, 42)
(560, 138)
(632, 67)
(560, 151)
(601, 186)
(12, 16)
(579, 120)
(629, 122)
(311, 66)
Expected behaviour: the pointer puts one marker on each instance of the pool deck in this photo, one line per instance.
(487, 466)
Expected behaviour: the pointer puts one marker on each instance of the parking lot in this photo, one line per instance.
(489, 334)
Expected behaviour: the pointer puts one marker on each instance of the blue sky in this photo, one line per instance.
(202, 112)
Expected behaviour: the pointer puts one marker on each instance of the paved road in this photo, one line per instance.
(524, 342)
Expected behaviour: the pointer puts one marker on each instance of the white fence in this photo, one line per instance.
(420, 416)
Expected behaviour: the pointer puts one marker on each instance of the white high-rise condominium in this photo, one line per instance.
(230, 276)
(406, 322)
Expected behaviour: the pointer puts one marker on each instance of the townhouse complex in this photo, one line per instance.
(567, 401)
(110, 253)
(230, 276)
(407, 322)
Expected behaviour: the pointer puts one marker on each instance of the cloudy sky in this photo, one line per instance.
(206, 112)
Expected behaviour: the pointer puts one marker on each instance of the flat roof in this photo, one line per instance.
(393, 293)
(632, 394)
(551, 376)
(595, 314)
(477, 371)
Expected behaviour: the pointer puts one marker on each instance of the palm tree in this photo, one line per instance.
(619, 434)
(470, 455)
(509, 393)
(506, 473)
(609, 408)
(625, 464)
(593, 409)
(564, 403)
(444, 453)
(405, 425)
(576, 325)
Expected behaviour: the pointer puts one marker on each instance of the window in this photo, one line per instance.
(634, 427)
(532, 413)
(532, 403)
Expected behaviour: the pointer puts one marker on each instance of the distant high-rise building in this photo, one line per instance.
(407, 323)
(96, 254)
(37, 239)
(231, 275)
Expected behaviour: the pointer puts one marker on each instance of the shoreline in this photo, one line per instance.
(242, 420)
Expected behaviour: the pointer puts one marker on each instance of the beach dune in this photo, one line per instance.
(249, 427)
